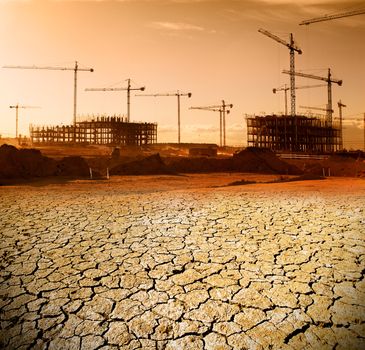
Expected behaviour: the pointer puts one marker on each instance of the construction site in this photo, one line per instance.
(100, 130)
(193, 233)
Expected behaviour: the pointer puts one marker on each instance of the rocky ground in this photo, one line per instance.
(146, 263)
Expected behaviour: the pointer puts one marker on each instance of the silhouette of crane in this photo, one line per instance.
(316, 108)
(285, 88)
(128, 89)
(340, 105)
(329, 81)
(76, 69)
(178, 94)
(17, 106)
(222, 109)
(293, 48)
(331, 17)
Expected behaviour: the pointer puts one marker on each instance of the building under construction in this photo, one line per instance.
(294, 134)
(100, 130)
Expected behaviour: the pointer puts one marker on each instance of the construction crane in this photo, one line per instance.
(331, 17)
(329, 81)
(221, 110)
(128, 89)
(355, 118)
(178, 94)
(220, 119)
(340, 106)
(293, 48)
(317, 108)
(75, 69)
(17, 116)
(286, 88)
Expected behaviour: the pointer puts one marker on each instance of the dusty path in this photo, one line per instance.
(169, 263)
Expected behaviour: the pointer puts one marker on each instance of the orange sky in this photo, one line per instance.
(211, 48)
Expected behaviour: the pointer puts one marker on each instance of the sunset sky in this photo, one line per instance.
(210, 48)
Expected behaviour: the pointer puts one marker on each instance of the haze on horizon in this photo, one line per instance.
(211, 48)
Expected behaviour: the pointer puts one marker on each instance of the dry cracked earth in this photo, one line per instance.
(99, 267)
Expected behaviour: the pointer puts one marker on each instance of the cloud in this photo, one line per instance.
(177, 26)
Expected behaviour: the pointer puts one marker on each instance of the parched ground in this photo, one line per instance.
(178, 263)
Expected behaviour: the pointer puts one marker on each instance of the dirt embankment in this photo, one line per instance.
(151, 165)
(249, 160)
(30, 163)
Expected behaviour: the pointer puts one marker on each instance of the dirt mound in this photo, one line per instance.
(262, 161)
(73, 166)
(27, 163)
(152, 165)
(24, 163)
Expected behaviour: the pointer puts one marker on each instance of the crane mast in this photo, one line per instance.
(331, 17)
(17, 106)
(329, 81)
(293, 48)
(340, 105)
(75, 69)
(178, 94)
(128, 89)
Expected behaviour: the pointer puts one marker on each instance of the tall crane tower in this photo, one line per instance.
(334, 16)
(128, 89)
(340, 106)
(293, 48)
(17, 106)
(178, 94)
(222, 109)
(329, 81)
(76, 69)
(285, 88)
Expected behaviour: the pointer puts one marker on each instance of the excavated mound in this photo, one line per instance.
(152, 165)
(262, 161)
(27, 163)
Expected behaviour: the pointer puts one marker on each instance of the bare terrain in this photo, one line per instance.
(183, 262)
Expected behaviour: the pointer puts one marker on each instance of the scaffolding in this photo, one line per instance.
(294, 134)
(100, 130)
